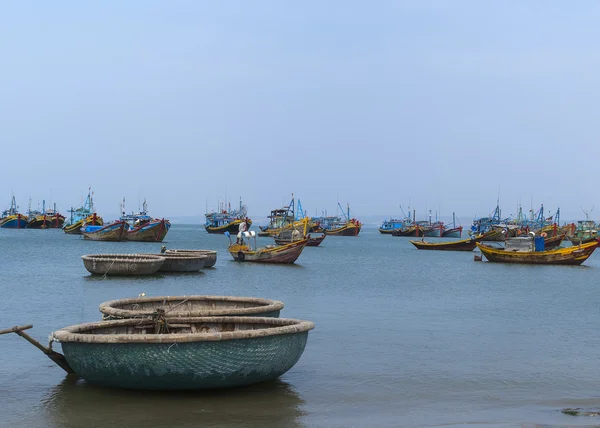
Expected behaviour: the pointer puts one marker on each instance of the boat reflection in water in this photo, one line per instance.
(76, 403)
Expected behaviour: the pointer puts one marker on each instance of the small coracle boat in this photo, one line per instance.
(211, 255)
(183, 353)
(191, 306)
(574, 255)
(122, 264)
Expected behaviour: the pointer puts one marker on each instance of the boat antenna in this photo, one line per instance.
(587, 213)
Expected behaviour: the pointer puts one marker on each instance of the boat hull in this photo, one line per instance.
(193, 361)
(349, 229)
(455, 232)
(17, 221)
(112, 232)
(232, 227)
(552, 242)
(283, 254)
(312, 242)
(464, 245)
(75, 228)
(122, 264)
(211, 255)
(46, 222)
(564, 256)
(154, 231)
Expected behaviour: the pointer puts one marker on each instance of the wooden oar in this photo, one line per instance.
(57, 357)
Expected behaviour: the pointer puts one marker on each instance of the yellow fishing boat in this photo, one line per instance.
(574, 255)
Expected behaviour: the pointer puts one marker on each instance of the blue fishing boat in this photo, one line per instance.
(114, 231)
(389, 226)
(12, 218)
(226, 219)
(82, 216)
(142, 227)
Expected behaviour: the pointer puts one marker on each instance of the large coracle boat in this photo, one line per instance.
(122, 264)
(227, 220)
(185, 353)
(190, 306)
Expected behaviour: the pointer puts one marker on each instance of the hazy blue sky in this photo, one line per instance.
(443, 104)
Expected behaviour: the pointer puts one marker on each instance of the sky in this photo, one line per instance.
(438, 105)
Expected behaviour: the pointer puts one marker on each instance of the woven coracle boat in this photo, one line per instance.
(211, 255)
(122, 264)
(191, 306)
(188, 354)
(182, 262)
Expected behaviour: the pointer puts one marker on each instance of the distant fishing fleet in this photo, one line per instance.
(136, 226)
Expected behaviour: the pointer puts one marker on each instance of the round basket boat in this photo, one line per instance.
(210, 254)
(122, 264)
(190, 306)
(182, 262)
(196, 353)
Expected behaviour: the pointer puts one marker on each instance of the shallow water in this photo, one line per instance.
(403, 337)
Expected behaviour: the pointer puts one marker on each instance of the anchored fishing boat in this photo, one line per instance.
(45, 219)
(462, 245)
(243, 252)
(343, 227)
(532, 251)
(82, 216)
(285, 218)
(227, 220)
(190, 306)
(114, 231)
(12, 218)
(141, 227)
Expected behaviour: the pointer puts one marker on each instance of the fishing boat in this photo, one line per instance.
(190, 306)
(388, 227)
(12, 218)
(114, 231)
(526, 253)
(227, 220)
(345, 226)
(462, 245)
(285, 254)
(142, 227)
(551, 242)
(285, 218)
(45, 219)
(289, 236)
(82, 216)
(453, 231)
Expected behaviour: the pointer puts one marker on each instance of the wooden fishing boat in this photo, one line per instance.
(551, 242)
(82, 216)
(462, 245)
(191, 306)
(574, 255)
(406, 231)
(287, 253)
(226, 219)
(184, 353)
(312, 242)
(12, 219)
(153, 230)
(46, 221)
(211, 255)
(122, 264)
(348, 228)
(576, 240)
(114, 231)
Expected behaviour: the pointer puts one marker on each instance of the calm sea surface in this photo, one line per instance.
(403, 337)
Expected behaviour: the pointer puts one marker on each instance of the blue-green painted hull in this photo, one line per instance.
(185, 366)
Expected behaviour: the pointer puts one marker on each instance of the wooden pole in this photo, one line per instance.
(57, 357)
